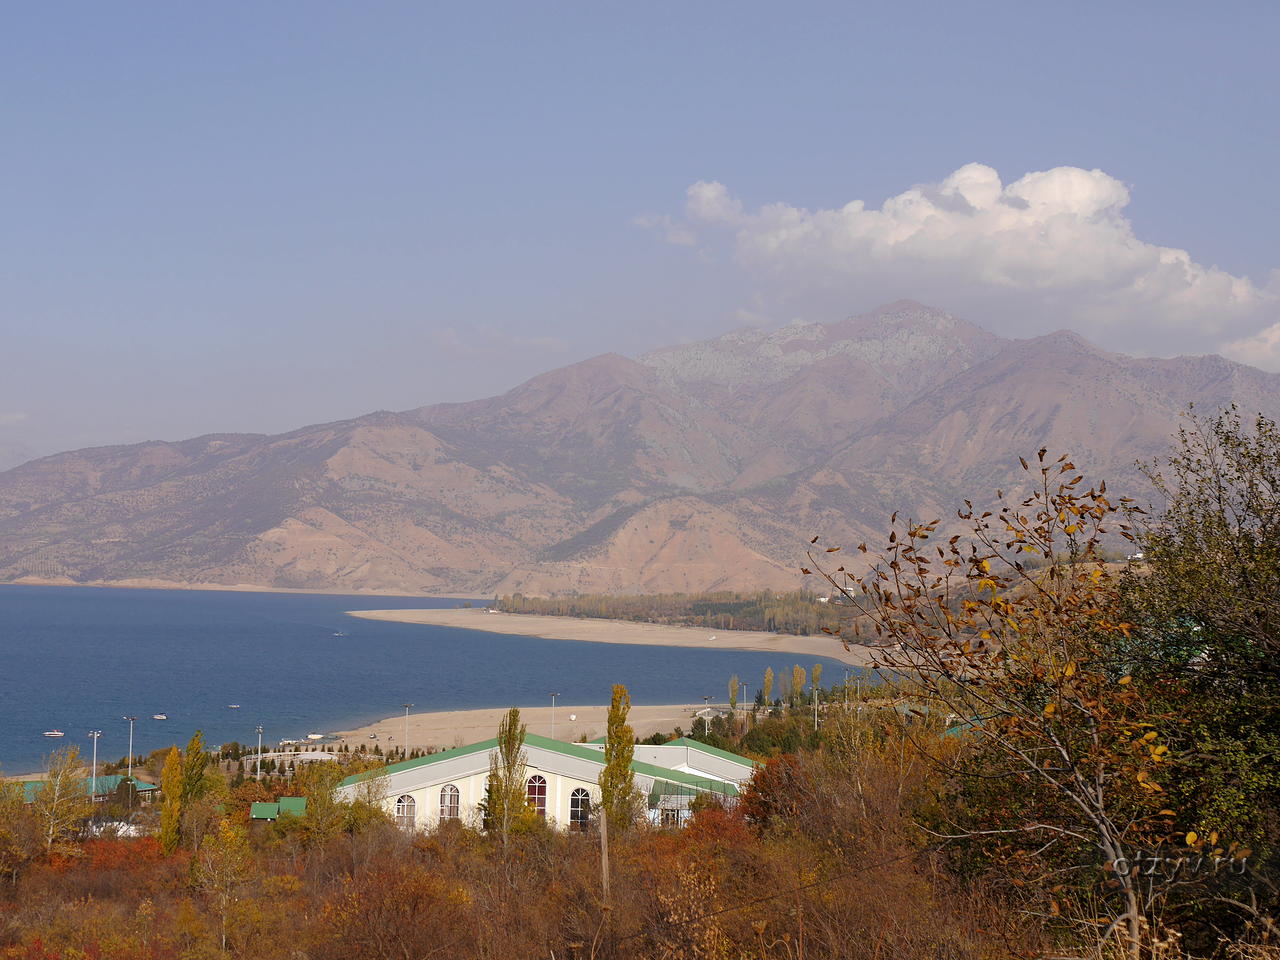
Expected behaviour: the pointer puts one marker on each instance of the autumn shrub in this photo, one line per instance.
(396, 910)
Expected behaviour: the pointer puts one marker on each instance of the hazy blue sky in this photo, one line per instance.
(235, 216)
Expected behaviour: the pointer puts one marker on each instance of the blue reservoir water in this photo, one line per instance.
(81, 658)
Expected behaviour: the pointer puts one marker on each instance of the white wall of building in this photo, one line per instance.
(564, 772)
(471, 790)
(470, 774)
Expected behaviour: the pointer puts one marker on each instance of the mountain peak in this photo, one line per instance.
(658, 474)
(1067, 337)
(888, 339)
(909, 310)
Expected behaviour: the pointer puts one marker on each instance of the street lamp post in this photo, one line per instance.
(93, 775)
(406, 728)
(258, 774)
(553, 715)
(131, 720)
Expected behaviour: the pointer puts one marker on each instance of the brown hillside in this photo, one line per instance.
(697, 467)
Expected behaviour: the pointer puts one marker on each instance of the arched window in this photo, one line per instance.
(579, 808)
(536, 791)
(449, 802)
(406, 812)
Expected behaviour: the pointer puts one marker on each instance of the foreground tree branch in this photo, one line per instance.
(1013, 633)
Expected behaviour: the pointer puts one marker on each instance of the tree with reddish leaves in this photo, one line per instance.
(772, 792)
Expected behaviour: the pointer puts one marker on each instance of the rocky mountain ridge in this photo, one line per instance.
(702, 466)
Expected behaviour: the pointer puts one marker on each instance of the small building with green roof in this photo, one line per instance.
(284, 807)
(102, 786)
(561, 782)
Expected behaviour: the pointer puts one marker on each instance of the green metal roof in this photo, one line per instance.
(665, 788)
(714, 751)
(555, 746)
(484, 746)
(403, 765)
(105, 785)
(568, 749)
(682, 778)
(293, 806)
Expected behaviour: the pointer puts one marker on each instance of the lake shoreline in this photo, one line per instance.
(300, 664)
(145, 584)
(443, 729)
(593, 630)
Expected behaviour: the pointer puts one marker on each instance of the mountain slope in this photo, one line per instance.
(702, 466)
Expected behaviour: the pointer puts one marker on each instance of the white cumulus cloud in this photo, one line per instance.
(1052, 249)
(1260, 350)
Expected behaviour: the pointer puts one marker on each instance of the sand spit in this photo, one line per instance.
(620, 631)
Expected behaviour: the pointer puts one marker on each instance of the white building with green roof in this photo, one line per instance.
(687, 755)
(561, 781)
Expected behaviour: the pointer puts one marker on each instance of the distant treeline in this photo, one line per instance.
(798, 612)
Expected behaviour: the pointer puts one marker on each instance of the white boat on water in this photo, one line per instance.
(54, 733)
(233, 706)
(159, 716)
(315, 736)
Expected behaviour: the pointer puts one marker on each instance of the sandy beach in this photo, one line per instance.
(619, 631)
(455, 728)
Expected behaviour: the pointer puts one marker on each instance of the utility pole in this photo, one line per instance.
(93, 776)
(553, 715)
(604, 856)
(815, 708)
(258, 774)
(406, 728)
(131, 720)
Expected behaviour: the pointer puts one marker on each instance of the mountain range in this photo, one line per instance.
(694, 467)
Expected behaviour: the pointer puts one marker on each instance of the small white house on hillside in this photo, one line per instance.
(562, 781)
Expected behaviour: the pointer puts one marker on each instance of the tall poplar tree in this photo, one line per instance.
(768, 684)
(505, 797)
(617, 782)
(194, 764)
(171, 803)
(798, 678)
(199, 786)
